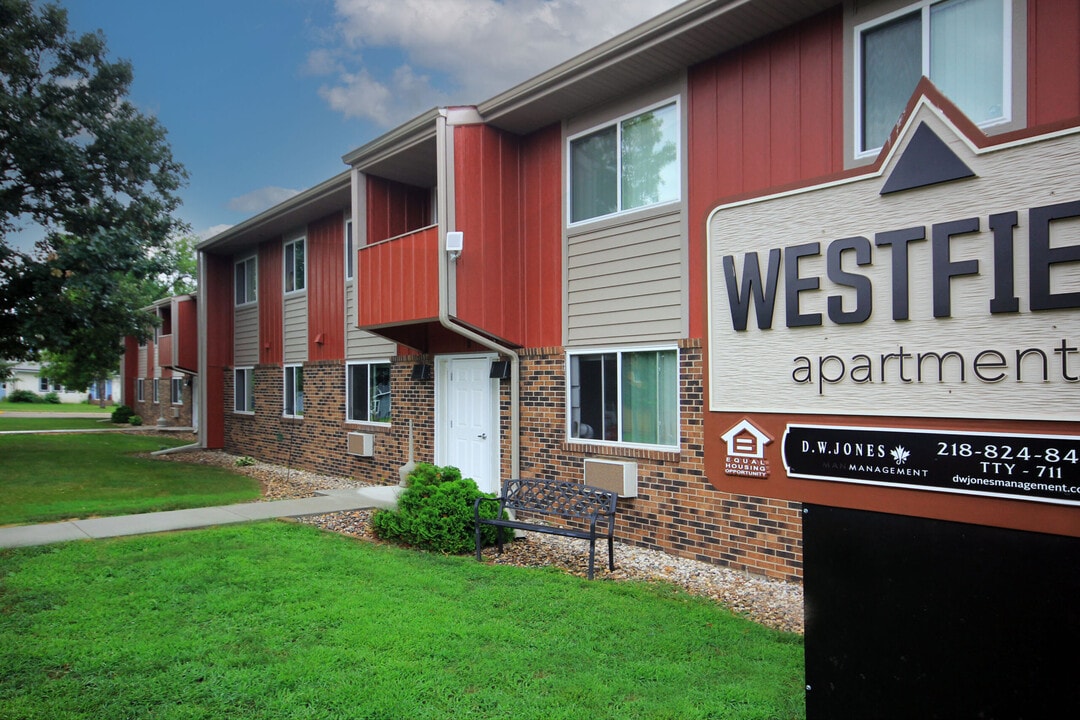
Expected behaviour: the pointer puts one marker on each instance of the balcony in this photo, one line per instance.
(398, 283)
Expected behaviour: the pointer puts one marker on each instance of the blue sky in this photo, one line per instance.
(261, 98)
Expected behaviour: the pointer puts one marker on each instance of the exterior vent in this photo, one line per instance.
(618, 476)
(176, 412)
(362, 444)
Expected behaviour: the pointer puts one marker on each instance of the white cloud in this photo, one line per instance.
(211, 232)
(258, 200)
(457, 51)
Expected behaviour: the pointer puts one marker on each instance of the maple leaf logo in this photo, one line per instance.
(900, 454)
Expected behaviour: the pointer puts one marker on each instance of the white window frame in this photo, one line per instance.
(923, 7)
(619, 351)
(43, 384)
(248, 375)
(300, 240)
(176, 390)
(618, 124)
(140, 390)
(296, 402)
(156, 390)
(254, 267)
(350, 250)
(370, 364)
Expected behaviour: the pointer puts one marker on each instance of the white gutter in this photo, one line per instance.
(447, 223)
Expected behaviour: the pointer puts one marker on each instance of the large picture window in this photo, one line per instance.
(294, 265)
(294, 391)
(632, 163)
(963, 46)
(244, 390)
(368, 392)
(246, 281)
(629, 396)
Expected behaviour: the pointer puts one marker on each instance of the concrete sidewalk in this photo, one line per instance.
(327, 501)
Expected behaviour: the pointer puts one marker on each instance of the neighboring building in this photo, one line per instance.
(740, 263)
(161, 375)
(27, 376)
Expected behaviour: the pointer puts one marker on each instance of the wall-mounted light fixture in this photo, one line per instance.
(500, 370)
(454, 243)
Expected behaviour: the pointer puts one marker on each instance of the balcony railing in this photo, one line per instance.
(398, 280)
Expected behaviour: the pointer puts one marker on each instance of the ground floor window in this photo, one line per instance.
(156, 390)
(140, 390)
(625, 396)
(176, 391)
(244, 390)
(294, 391)
(367, 387)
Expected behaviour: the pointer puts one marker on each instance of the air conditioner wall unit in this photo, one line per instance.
(618, 476)
(362, 444)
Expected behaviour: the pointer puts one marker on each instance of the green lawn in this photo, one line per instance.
(281, 620)
(19, 421)
(56, 477)
(12, 407)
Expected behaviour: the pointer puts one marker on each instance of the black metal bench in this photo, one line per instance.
(572, 501)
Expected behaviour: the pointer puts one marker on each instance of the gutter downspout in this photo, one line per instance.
(447, 223)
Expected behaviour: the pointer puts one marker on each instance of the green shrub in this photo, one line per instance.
(135, 420)
(436, 512)
(122, 414)
(244, 461)
(52, 398)
(24, 396)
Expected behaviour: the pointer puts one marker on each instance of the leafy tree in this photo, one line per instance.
(79, 161)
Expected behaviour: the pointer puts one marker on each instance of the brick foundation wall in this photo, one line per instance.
(150, 411)
(319, 440)
(676, 511)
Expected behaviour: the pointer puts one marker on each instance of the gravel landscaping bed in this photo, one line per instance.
(773, 603)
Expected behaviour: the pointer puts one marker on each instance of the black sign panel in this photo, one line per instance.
(1044, 468)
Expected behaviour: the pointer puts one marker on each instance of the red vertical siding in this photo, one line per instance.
(271, 308)
(217, 281)
(186, 333)
(131, 369)
(326, 288)
(394, 208)
(489, 270)
(508, 192)
(398, 281)
(1053, 61)
(541, 237)
(763, 116)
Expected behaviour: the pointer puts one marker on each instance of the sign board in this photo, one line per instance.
(945, 285)
(1043, 468)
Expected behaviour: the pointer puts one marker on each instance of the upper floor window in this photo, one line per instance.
(963, 46)
(628, 396)
(631, 163)
(368, 392)
(246, 281)
(350, 253)
(294, 265)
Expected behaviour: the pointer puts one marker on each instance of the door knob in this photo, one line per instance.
(482, 436)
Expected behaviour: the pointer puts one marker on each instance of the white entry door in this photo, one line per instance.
(467, 418)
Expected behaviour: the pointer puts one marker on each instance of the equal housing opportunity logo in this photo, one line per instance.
(746, 450)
